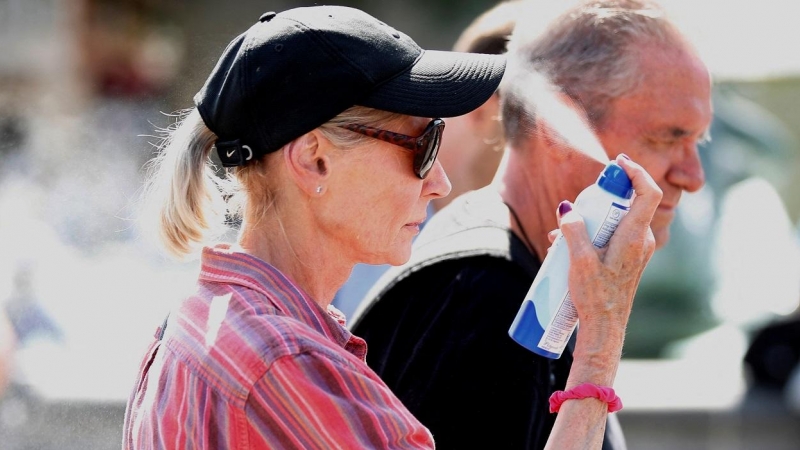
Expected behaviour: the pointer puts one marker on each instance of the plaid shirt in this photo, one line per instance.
(251, 362)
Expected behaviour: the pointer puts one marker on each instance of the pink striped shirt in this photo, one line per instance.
(251, 362)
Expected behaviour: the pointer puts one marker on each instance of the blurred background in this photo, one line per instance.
(712, 355)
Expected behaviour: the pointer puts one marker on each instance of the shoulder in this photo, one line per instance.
(472, 275)
(453, 290)
(235, 343)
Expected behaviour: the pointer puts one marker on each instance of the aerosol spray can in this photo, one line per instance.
(547, 318)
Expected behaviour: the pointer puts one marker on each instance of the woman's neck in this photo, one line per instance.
(300, 253)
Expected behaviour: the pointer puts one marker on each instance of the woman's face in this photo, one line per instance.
(374, 203)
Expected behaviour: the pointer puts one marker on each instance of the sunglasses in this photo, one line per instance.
(424, 146)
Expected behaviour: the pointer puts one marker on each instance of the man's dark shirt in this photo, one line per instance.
(437, 332)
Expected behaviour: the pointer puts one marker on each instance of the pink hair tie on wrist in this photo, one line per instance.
(586, 390)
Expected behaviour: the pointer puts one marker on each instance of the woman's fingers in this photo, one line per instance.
(648, 194)
(633, 236)
(573, 228)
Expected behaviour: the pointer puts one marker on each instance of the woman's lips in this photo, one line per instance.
(414, 225)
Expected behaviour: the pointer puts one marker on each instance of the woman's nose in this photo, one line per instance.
(436, 184)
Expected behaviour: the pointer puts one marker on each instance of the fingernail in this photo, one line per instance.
(625, 156)
(563, 208)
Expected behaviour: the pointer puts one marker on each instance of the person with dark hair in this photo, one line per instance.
(438, 325)
(328, 122)
(474, 144)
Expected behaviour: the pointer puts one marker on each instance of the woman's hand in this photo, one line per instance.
(602, 283)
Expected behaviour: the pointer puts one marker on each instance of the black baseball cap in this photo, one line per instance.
(294, 71)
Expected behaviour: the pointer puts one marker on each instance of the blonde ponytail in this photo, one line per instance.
(184, 199)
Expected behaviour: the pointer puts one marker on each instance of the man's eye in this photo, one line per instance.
(662, 142)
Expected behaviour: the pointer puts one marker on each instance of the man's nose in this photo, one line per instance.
(687, 173)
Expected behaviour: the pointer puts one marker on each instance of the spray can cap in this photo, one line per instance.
(614, 180)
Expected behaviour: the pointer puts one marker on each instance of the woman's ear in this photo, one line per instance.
(308, 162)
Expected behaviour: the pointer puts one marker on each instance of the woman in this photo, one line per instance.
(324, 115)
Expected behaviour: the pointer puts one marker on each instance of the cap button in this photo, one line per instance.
(267, 16)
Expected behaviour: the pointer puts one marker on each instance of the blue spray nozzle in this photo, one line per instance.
(614, 180)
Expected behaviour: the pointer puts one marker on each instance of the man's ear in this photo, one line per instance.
(489, 110)
(485, 122)
(308, 162)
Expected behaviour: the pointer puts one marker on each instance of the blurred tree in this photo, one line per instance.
(131, 48)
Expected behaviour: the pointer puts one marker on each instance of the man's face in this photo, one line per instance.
(660, 125)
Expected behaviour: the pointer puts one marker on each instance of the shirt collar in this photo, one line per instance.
(220, 264)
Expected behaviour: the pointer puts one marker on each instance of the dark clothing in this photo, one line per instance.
(774, 353)
(437, 332)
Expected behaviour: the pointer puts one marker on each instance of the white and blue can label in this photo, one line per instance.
(547, 317)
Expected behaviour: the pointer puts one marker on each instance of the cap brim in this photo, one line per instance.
(440, 84)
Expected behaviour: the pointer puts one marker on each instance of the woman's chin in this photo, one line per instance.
(396, 257)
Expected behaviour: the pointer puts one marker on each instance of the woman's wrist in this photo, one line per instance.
(596, 358)
(604, 394)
